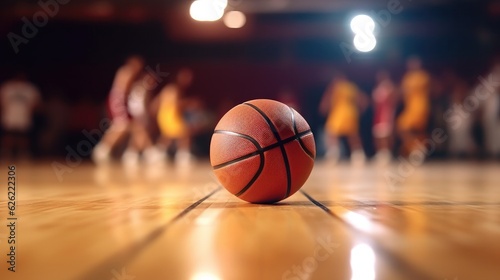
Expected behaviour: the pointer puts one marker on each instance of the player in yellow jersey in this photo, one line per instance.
(341, 103)
(169, 107)
(413, 120)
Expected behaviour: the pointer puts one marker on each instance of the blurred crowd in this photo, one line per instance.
(148, 120)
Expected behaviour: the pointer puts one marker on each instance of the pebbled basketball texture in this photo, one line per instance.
(262, 151)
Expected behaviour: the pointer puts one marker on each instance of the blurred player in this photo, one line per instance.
(491, 111)
(412, 122)
(441, 89)
(18, 101)
(138, 102)
(117, 109)
(341, 103)
(169, 105)
(384, 100)
(461, 142)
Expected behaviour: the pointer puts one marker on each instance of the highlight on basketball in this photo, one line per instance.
(249, 139)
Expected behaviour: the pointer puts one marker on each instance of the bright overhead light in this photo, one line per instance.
(234, 19)
(220, 4)
(363, 27)
(207, 10)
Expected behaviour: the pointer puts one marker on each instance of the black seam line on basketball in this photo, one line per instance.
(249, 138)
(302, 145)
(260, 153)
(259, 150)
(409, 270)
(254, 178)
(122, 257)
(282, 147)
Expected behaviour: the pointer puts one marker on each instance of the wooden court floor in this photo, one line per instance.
(438, 221)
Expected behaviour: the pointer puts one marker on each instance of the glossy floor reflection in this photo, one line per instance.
(436, 221)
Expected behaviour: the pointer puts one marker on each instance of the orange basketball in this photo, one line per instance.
(262, 151)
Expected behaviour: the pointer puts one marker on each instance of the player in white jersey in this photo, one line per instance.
(138, 103)
(18, 101)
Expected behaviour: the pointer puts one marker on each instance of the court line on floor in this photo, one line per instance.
(406, 268)
(119, 260)
(422, 203)
(374, 203)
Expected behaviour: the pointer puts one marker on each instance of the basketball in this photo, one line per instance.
(262, 151)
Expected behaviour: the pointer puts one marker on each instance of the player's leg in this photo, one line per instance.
(116, 132)
(141, 142)
(409, 130)
(158, 151)
(131, 154)
(357, 153)
(332, 147)
(383, 142)
(412, 141)
(142, 139)
(183, 154)
(154, 153)
(383, 146)
(349, 126)
(407, 140)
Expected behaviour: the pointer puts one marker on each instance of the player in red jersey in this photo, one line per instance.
(384, 101)
(117, 108)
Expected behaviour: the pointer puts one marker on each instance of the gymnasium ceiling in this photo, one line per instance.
(285, 19)
(113, 8)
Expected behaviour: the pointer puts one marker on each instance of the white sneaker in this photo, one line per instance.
(154, 155)
(183, 158)
(358, 158)
(332, 155)
(130, 157)
(101, 153)
(383, 157)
